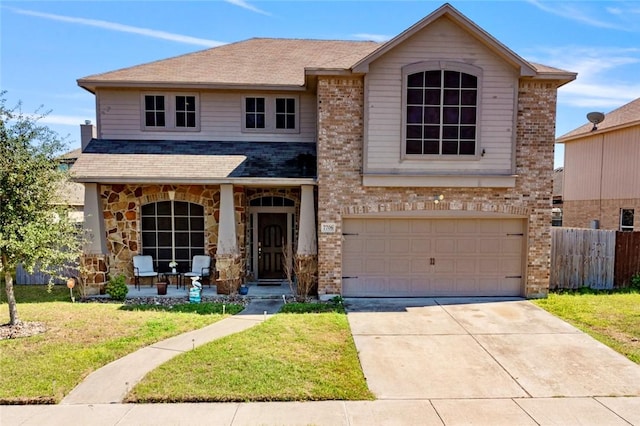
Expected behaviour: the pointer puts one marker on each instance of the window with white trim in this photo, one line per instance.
(285, 113)
(441, 102)
(270, 114)
(170, 112)
(626, 219)
(154, 111)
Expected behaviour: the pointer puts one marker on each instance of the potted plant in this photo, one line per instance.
(162, 287)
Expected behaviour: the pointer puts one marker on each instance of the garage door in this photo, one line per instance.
(432, 257)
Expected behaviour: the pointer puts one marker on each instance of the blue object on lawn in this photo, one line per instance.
(195, 292)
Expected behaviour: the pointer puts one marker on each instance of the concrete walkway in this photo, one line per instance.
(429, 362)
(111, 383)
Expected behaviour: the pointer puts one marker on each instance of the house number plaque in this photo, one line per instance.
(328, 228)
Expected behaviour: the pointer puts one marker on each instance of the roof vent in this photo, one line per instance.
(595, 118)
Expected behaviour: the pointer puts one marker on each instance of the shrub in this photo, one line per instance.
(117, 288)
(635, 281)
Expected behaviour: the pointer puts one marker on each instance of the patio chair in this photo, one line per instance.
(200, 267)
(143, 268)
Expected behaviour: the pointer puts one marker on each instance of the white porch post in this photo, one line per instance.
(307, 240)
(227, 239)
(94, 221)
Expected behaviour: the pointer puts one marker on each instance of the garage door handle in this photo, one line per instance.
(513, 276)
(349, 278)
(515, 235)
(346, 233)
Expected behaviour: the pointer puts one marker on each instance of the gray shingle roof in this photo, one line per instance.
(195, 161)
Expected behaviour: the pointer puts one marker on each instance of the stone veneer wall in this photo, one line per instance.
(94, 268)
(340, 191)
(122, 204)
(580, 213)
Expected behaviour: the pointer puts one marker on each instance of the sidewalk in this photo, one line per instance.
(111, 383)
(96, 401)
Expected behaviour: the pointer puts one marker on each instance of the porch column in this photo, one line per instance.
(307, 240)
(227, 239)
(93, 221)
(94, 259)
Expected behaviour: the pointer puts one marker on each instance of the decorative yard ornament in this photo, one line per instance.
(71, 283)
(195, 292)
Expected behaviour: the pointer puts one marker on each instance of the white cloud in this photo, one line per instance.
(607, 77)
(243, 4)
(380, 38)
(112, 26)
(66, 120)
(575, 11)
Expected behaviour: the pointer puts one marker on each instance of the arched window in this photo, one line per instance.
(441, 110)
(173, 230)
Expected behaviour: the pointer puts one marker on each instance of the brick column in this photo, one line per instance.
(340, 137)
(534, 166)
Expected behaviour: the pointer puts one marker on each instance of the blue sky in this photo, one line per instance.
(47, 45)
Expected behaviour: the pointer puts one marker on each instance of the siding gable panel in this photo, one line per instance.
(442, 40)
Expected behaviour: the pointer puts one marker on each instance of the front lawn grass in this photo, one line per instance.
(80, 338)
(290, 357)
(612, 318)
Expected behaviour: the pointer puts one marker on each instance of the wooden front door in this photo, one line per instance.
(272, 236)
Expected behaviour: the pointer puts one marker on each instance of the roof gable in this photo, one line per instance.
(448, 11)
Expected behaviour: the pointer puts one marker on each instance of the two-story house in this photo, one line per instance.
(418, 167)
(601, 172)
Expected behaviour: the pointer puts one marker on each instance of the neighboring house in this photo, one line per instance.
(72, 193)
(69, 194)
(418, 167)
(558, 176)
(602, 172)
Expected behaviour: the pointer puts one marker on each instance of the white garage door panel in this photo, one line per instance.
(432, 257)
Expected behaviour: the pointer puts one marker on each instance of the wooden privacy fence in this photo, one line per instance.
(39, 277)
(627, 257)
(594, 258)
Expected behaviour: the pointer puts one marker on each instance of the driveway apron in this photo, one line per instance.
(481, 348)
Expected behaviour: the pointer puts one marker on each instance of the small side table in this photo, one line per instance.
(177, 275)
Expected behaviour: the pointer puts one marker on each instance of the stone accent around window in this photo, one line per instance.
(122, 204)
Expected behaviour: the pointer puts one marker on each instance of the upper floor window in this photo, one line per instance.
(626, 219)
(254, 113)
(270, 114)
(441, 110)
(185, 111)
(170, 112)
(154, 112)
(285, 113)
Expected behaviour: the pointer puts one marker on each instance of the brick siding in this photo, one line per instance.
(340, 191)
(580, 213)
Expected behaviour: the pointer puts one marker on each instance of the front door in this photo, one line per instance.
(272, 236)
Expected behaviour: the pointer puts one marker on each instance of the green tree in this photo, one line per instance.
(35, 229)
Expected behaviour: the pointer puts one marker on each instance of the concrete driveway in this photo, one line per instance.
(502, 360)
